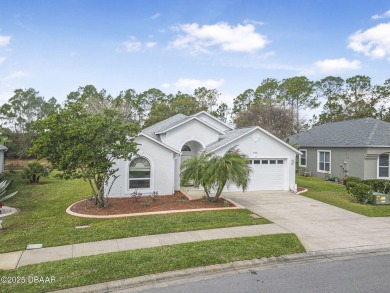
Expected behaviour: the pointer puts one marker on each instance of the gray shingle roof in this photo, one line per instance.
(365, 132)
(227, 137)
(163, 125)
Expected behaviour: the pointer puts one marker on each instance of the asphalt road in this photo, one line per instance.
(366, 274)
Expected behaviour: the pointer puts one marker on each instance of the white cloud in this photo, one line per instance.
(151, 44)
(373, 42)
(188, 84)
(156, 15)
(2, 59)
(255, 22)
(4, 41)
(337, 65)
(266, 55)
(132, 45)
(16, 74)
(240, 38)
(380, 16)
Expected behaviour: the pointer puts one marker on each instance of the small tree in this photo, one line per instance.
(215, 172)
(85, 145)
(34, 171)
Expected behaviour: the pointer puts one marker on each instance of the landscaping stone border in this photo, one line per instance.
(302, 191)
(13, 212)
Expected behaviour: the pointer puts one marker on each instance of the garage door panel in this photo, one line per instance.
(266, 176)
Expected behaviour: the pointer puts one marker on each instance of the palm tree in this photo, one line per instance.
(214, 172)
(194, 170)
(232, 167)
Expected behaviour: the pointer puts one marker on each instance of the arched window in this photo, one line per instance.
(139, 173)
(185, 148)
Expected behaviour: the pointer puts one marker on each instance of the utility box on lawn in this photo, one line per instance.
(380, 198)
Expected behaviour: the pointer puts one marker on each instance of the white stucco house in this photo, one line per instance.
(3, 149)
(164, 146)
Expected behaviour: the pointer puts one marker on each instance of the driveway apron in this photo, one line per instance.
(319, 226)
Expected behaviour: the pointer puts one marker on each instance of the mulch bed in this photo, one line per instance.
(127, 205)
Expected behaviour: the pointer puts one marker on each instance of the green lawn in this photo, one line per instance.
(335, 194)
(106, 267)
(43, 218)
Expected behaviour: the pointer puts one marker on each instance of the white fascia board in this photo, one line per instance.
(265, 132)
(215, 118)
(186, 121)
(160, 143)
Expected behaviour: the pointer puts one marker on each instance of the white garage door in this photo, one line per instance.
(267, 174)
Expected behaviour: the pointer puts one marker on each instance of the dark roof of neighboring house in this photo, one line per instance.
(228, 136)
(3, 148)
(365, 132)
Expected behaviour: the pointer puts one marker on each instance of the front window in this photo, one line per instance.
(303, 158)
(185, 148)
(139, 173)
(323, 161)
(383, 166)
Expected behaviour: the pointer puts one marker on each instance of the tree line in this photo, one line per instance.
(275, 105)
(278, 106)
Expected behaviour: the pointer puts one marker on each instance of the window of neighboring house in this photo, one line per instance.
(185, 148)
(139, 173)
(383, 166)
(303, 158)
(323, 158)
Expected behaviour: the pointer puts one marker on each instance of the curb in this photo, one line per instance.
(208, 272)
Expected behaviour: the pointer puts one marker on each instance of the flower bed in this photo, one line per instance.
(145, 204)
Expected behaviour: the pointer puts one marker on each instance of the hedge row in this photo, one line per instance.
(361, 190)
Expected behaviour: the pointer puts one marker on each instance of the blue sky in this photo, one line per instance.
(57, 46)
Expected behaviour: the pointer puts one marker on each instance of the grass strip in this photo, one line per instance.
(119, 265)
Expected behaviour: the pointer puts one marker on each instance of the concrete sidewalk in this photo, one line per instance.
(18, 259)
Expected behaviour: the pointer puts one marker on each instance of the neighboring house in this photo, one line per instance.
(3, 149)
(164, 146)
(359, 147)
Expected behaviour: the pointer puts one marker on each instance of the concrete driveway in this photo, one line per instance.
(319, 226)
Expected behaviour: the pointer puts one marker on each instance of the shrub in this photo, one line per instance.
(3, 189)
(350, 184)
(378, 185)
(360, 192)
(34, 171)
(352, 179)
